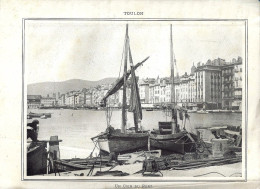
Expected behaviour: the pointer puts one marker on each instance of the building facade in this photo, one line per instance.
(232, 85)
(144, 91)
(216, 84)
(33, 101)
(208, 84)
(48, 101)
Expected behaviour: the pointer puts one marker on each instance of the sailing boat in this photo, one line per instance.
(120, 141)
(169, 138)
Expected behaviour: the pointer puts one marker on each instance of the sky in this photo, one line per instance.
(92, 50)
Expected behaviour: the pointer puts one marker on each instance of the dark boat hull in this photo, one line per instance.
(38, 115)
(171, 143)
(123, 143)
(37, 160)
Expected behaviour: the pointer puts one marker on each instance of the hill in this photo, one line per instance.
(45, 88)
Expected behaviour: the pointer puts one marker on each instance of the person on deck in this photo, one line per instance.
(32, 130)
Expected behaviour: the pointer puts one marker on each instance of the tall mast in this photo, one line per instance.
(172, 59)
(124, 86)
(174, 112)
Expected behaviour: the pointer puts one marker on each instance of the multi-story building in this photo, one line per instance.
(208, 84)
(232, 84)
(168, 91)
(48, 101)
(227, 86)
(215, 84)
(88, 101)
(237, 103)
(61, 100)
(155, 90)
(159, 91)
(144, 91)
(80, 98)
(185, 90)
(77, 99)
(70, 100)
(33, 101)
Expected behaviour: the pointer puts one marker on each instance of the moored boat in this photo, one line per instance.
(120, 141)
(37, 158)
(38, 155)
(38, 115)
(169, 143)
(202, 112)
(170, 138)
(192, 111)
(225, 111)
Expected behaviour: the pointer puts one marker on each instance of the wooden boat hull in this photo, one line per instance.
(123, 143)
(171, 143)
(38, 115)
(202, 112)
(37, 160)
(67, 166)
(167, 143)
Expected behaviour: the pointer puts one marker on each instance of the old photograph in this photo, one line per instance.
(134, 99)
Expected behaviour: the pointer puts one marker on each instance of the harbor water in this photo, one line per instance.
(76, 127)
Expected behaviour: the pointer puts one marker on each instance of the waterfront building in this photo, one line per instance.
(81, 98)
(77, 99)
(232, 85)
(67, 100)
(155, 89)
(71, 99)
(88, 96)
(33, 101)
(208, 84)
(185, 91)
(61, 100)
(214, 85)
(168, 91)
(151, 93)
(159, 91)
(237, 103)
(48, 101)
(144, 91)
(54, 95)
(162, 91)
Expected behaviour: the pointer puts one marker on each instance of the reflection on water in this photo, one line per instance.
(76, 127)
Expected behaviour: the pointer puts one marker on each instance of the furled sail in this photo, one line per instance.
(135, 103)
(120, 81)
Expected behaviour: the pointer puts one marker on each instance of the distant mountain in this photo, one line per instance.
(45, 88)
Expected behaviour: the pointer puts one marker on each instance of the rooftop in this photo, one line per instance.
(34, 97)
